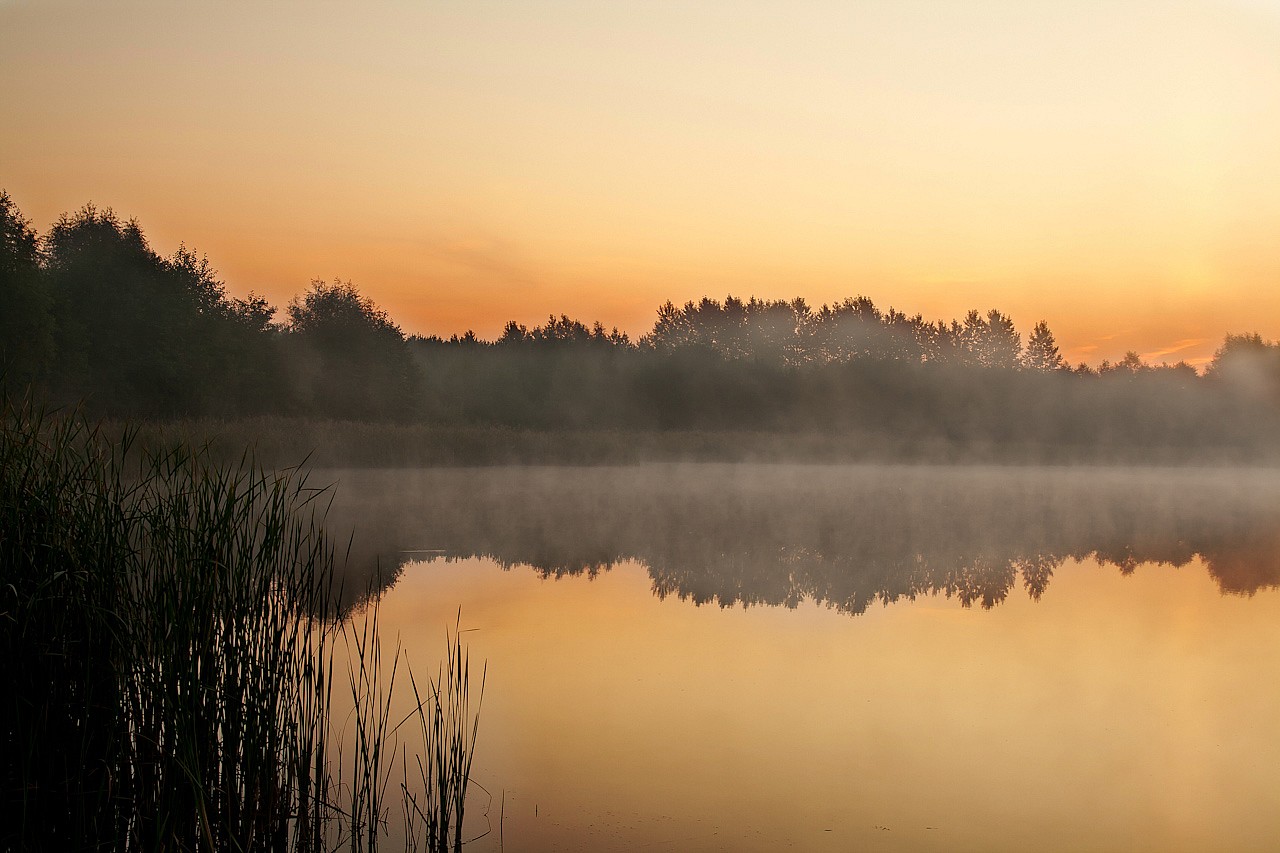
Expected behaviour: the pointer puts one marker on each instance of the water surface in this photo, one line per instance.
(816, 658)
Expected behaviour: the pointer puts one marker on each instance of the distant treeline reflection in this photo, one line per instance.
(842, 536)
(89, 311)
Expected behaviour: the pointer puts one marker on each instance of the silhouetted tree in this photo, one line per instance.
(138, 333)
(1247, 364)
(237, 341)
(26, 318)
(847, 330)
(990, 341)
(128, 327)
(940, 342)
(1041, 352)
(1131, 365)
(349, 359)
(854, 329)
(96, 311)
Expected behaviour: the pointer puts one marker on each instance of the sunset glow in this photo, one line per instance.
(1108, 167)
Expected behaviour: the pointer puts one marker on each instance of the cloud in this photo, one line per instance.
(489, 261)
(1073, 354)
(1175, 347)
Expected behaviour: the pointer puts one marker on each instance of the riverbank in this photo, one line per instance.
(283, 442)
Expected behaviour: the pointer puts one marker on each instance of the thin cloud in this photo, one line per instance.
(1084, 350)
(1177, 346)
(1079, 353)
(488, 260)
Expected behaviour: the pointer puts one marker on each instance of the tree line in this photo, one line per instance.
(89, 311)
(92, 313)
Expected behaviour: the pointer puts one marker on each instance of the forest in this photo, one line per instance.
(92, 315)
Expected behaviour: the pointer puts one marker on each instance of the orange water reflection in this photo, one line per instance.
(1119, 712)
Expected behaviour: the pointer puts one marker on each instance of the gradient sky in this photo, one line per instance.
(1111, 167)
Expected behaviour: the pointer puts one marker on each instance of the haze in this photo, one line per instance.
(1109, 167)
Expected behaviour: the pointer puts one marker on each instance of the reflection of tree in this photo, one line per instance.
(1245, 566)
(1036, 572)
(846, 537)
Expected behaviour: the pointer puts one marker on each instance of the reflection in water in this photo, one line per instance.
(842, 536)
(1119, 712)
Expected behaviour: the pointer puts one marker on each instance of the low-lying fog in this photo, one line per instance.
(843, 535)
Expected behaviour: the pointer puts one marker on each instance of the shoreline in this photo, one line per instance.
(290, 441)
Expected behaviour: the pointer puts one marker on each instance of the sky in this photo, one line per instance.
(1110, 167)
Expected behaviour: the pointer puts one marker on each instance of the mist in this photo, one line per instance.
(844, 536)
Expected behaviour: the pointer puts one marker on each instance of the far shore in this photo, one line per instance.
(285, 441)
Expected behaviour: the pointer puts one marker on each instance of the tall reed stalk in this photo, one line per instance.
(167, 632)
(435, 802)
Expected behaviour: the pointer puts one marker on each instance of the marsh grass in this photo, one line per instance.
(168, 632)
(435, 789)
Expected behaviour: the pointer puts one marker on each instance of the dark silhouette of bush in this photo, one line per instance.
(346, 357)
(138, 333)
(26, 317)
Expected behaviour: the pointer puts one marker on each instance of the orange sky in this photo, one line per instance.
(1111, 167)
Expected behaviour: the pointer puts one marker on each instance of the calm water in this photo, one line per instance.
(817, 658)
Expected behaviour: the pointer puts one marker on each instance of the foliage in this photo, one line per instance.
(1042, 352)
(26, 318)
(143, 334)
(348, 357)
(98, 315)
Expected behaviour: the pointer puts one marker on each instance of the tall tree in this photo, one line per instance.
(349, 359)
(1042, 352)
(991, 341)
(124, 323)
(1247, 363)
(26, 318)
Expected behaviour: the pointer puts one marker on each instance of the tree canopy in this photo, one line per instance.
(90, 311)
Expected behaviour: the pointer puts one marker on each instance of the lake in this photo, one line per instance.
(751, 657)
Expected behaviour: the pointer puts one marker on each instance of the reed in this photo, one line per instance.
(435, 789)
(168, 631)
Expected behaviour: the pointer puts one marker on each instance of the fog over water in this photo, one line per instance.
(843, 535)
(714, 657)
